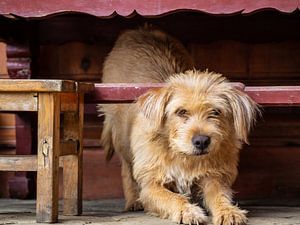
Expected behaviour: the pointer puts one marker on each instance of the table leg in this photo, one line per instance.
(72, 164)
(48, 157)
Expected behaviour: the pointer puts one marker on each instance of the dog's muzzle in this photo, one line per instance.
(201, 142)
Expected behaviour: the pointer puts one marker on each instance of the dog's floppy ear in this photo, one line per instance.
(244, 111)
(153, 104)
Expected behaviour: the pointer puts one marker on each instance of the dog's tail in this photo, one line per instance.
(106, 136)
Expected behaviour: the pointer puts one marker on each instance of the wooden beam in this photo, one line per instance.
(48, 157)
(69, 102)
(68, 147)
(118, 92)
(72, 164)
(275, 95)
(18, 163)
(24, 85)
(126, 92)
(83, 87)
(17, 101)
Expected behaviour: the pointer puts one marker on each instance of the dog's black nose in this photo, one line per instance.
(201, 142)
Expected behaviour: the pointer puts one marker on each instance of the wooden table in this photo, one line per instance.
(59, 140)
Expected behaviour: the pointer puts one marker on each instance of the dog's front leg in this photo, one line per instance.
(157, 199)
(217, 198)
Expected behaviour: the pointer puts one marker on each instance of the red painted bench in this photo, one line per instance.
(125, 93)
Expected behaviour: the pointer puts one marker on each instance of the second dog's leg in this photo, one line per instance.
(130, 188)
(167, 204)
(218, 199)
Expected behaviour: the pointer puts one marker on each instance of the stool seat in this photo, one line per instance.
(59, 140)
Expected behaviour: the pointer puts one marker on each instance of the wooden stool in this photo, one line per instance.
(59, 140)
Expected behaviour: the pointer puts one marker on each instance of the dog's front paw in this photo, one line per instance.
(193, 215)
(134, 206)
(230, 216)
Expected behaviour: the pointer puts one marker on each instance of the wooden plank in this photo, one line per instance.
(82, 61)
(108, 8)
(274, 175)
(79, 58)
(275, 95)
(72, 164)
(18, 162)
(17, 101)
(7, 131)
(275, 60)
(3, 68)
(119, 92)
(224, 56)
(68, 147)
(24, 85)
(126, 92)
(83, 87)
(48, 157)
(69, 102)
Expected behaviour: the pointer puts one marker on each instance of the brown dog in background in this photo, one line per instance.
(180, 143)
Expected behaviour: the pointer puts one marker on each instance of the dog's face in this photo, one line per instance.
(197, 112)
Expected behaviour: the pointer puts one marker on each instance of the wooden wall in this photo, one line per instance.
(3, 69)
(261, 49)
(7, 128)
(268, 166)
(7, 121)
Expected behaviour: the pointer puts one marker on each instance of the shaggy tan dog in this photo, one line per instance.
(178, 144)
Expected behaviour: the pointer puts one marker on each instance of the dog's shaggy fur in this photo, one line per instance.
(178, 144)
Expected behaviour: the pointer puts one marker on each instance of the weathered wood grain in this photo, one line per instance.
(69, 102)
(72, 164)
(264, 95)
(18, 101)
(18, 162)
(3, 58)
(126, 92)
(275, 95)
(68, 147)
(48, 157)
(83, 87)
(23, 85)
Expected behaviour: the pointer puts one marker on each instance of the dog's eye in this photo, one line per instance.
(181, 112)
(214, 113)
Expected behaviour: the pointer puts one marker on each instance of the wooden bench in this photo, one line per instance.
(59, 140)
(51, 98)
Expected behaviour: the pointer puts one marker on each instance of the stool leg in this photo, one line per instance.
(48, 157)
(72, 164)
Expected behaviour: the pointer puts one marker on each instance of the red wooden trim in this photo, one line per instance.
(275, 95)
(264, 95)
(113, 93)
(108, 8)
(125, 93)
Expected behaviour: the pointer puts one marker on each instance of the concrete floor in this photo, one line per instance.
(109, 212)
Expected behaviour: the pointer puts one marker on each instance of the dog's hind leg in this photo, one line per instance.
(106, 138)
(130, 188)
